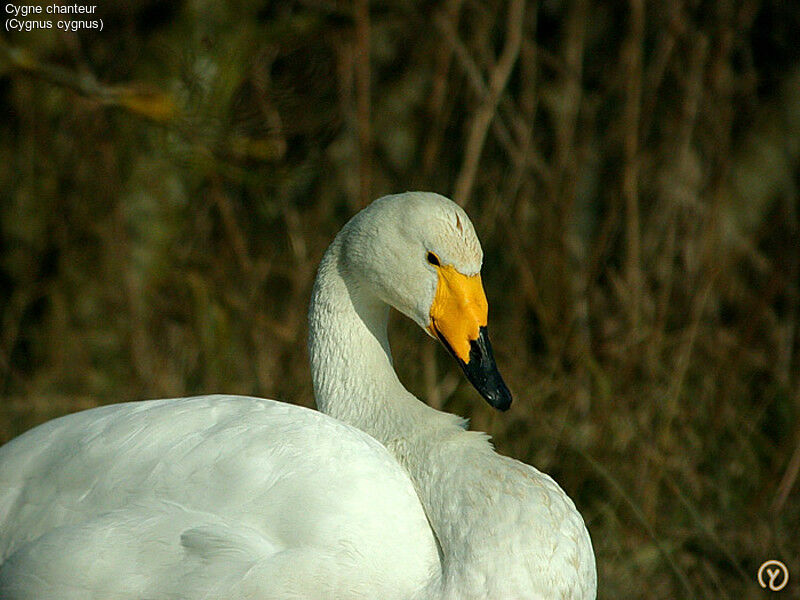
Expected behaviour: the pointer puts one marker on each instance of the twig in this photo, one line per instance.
(485, 112)
(520, 122)
(684, 361)
(640, 516)
(231, 227)
(655, 71)
(788, 480)
(632, 60)
(148, 103)
(436, 101)
(363, 101)
(144, 101)
(702, 526)
(682, 151)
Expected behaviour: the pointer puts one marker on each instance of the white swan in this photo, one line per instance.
(232, 497)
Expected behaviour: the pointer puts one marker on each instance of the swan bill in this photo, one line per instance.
(481, 371)
(459, 310)
(458, 317)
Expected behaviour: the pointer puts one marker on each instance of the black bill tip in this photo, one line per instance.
(481, 370)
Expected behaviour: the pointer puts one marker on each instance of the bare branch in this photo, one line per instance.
(363, 101)
(486, 111)
(632, 61)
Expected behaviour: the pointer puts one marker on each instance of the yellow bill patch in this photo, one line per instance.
(459, 310)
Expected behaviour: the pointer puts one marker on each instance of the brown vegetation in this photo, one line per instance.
(168, 185)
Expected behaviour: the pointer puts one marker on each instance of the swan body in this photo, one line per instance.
(207, 497)
(379, 497)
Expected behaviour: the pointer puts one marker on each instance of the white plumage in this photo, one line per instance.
(209, 497)
(234, 497)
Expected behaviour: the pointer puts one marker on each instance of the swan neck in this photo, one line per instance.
(351, 362)
(355, 382)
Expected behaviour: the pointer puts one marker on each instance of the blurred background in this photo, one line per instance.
(169, 184)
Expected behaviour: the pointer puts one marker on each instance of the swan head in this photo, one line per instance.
(419, 253)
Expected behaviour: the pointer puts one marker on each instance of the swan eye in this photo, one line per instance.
(433, 259)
